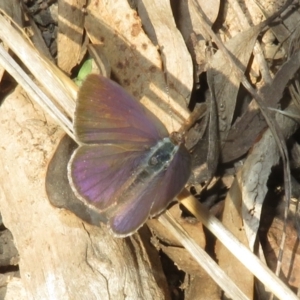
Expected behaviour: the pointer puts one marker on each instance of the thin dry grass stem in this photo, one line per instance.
(270, 121)
(204, 260)
(34, 91)
(244, 255)
(56, 83)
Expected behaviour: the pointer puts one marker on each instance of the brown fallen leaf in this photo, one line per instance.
(270, 236)
(70, 33)
(232, 219)
(136, 62)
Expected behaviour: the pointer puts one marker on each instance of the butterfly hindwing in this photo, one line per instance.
(96, 172)
(153, 198)
(174, 180)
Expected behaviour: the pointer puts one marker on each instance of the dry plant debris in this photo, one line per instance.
(228, 69)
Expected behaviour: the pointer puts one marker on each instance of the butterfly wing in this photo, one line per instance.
(175, 178)
(97, 172)
(117, 132)
(106, 113)
(149, 201)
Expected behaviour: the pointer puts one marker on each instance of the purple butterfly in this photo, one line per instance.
(126, 167)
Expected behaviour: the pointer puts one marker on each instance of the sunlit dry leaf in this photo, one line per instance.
(192, 29)
(226, 81)
(289, 21)
(135, 61)
(166, 242)
(201, 287)
(195, 229)
(246, 129)
(13, 10)
(158, 21)
(189, 20)
(255, 173)
(232, 220)
(70, 33)
(270, 237)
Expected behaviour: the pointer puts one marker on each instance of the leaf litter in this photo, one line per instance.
(250, 58)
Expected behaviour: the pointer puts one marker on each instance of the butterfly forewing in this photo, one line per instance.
(106, 113)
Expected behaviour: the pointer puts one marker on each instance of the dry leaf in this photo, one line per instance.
(247, 128)
(254, 175)
(226, 81)
(70, 33)
(232, 220)
(136, 62)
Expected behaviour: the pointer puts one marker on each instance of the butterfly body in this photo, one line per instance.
(127, 167)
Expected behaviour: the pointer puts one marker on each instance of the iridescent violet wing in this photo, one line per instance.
(106, 113)
(117, 133)
(175, 178)
(97, 172)
(152, 199)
